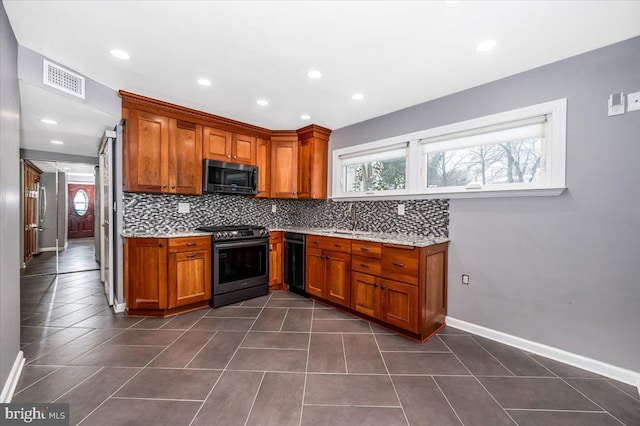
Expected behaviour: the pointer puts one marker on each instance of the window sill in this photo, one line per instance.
(538, 192)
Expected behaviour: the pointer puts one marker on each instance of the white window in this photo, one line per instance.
(515, 153)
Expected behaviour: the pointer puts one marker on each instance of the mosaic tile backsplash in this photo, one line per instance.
(159, 213)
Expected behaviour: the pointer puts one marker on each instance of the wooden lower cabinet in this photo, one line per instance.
(328, 275)
(165, 276)
(402, 287)
(276, 250)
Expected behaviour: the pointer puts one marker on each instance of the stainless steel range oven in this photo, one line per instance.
(240, 263)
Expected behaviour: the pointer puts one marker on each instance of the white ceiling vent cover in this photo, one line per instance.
(63, 79)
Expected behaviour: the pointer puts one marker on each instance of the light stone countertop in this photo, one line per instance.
(170, 234)
(378, 237)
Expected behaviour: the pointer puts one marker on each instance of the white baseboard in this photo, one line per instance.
(12, 381)
(52, 248)
(623, 375)
(118, 307)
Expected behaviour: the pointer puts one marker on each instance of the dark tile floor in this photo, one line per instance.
(78, 256)
(285, 360)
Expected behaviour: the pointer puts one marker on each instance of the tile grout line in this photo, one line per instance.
(306, 366)
(492, 397)
(447, 399)
(39, 380)
(569, 384)
(492, 356)
(375, 339)
(344, 354)
(622, 390)
(81, 382)
(255, 397)
(141, 369)
(283, 320)
(230, 359)
(215, 333)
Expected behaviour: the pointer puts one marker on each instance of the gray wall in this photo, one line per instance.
(56, 211)
(9, 199)
(563, 270)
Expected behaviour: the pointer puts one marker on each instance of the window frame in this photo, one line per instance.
(554, 151)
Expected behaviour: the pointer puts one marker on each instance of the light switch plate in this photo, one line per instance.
(274, 208)
(184, 208)
(633, 101)
(400, 209)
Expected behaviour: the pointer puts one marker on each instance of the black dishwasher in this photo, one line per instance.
(294, 262)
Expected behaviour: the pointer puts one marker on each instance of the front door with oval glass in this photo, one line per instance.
(81, 211)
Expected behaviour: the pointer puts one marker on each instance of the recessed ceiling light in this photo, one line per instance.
(486, 46)
(357, 97)
(262, 102)
(48, 121)
(305, 117)
(204, 82)
(57, 142)
(120, 54)
(314, 74)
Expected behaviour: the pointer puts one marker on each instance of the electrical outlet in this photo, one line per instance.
(184, 208)
(616, 104)
(400, 209)
(465, 279)
(273, 208)
(633, 101)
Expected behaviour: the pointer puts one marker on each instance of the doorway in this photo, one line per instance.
(65, 206)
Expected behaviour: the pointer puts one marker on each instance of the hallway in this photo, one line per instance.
(79, 256)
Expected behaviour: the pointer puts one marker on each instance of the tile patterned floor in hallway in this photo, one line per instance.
(285, 360)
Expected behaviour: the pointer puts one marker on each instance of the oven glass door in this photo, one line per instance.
(240, 264)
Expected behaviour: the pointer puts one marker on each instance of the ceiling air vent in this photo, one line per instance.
(63, 79)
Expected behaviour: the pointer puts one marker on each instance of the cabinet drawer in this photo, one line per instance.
(275, 237)
(329, 243)
(366, 265)
(181, 244)
(366, 248)
(400, 263)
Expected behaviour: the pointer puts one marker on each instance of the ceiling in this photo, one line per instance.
(80, 126)
(397, 53)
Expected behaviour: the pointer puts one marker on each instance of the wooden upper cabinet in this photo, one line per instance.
(185, 157)
(263, 161)
(313, 162)
(228, 146)
(243, 149)
(217, 144)
(146, 158)
(284, 165)
(162, 155)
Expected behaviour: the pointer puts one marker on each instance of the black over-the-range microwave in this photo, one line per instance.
(229, 178)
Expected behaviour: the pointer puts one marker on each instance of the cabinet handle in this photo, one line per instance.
(228, 156)
(337, 245)
(235, 156)
(192, 255)
(383, 287)
(160, 245)
(191, 244)
(173, 187)
(164, 185)
(375, 285)
(295, 193)
(315, 242)
(398, 264)
(364, 265)
(364, 248)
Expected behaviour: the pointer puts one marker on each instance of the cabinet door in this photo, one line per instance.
(400, 304)
(338, 277)
(435, 302)
(284, 169)
(275, 264)
(365, 294)
(315, 272)
(312, 166)
(146, 273)
(146, 154)
(243, 149)
(263, 161)
(189, 277)
(185, 157)
(217, 144)
(304, 168)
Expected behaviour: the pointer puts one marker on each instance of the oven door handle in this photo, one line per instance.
(245, 243)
